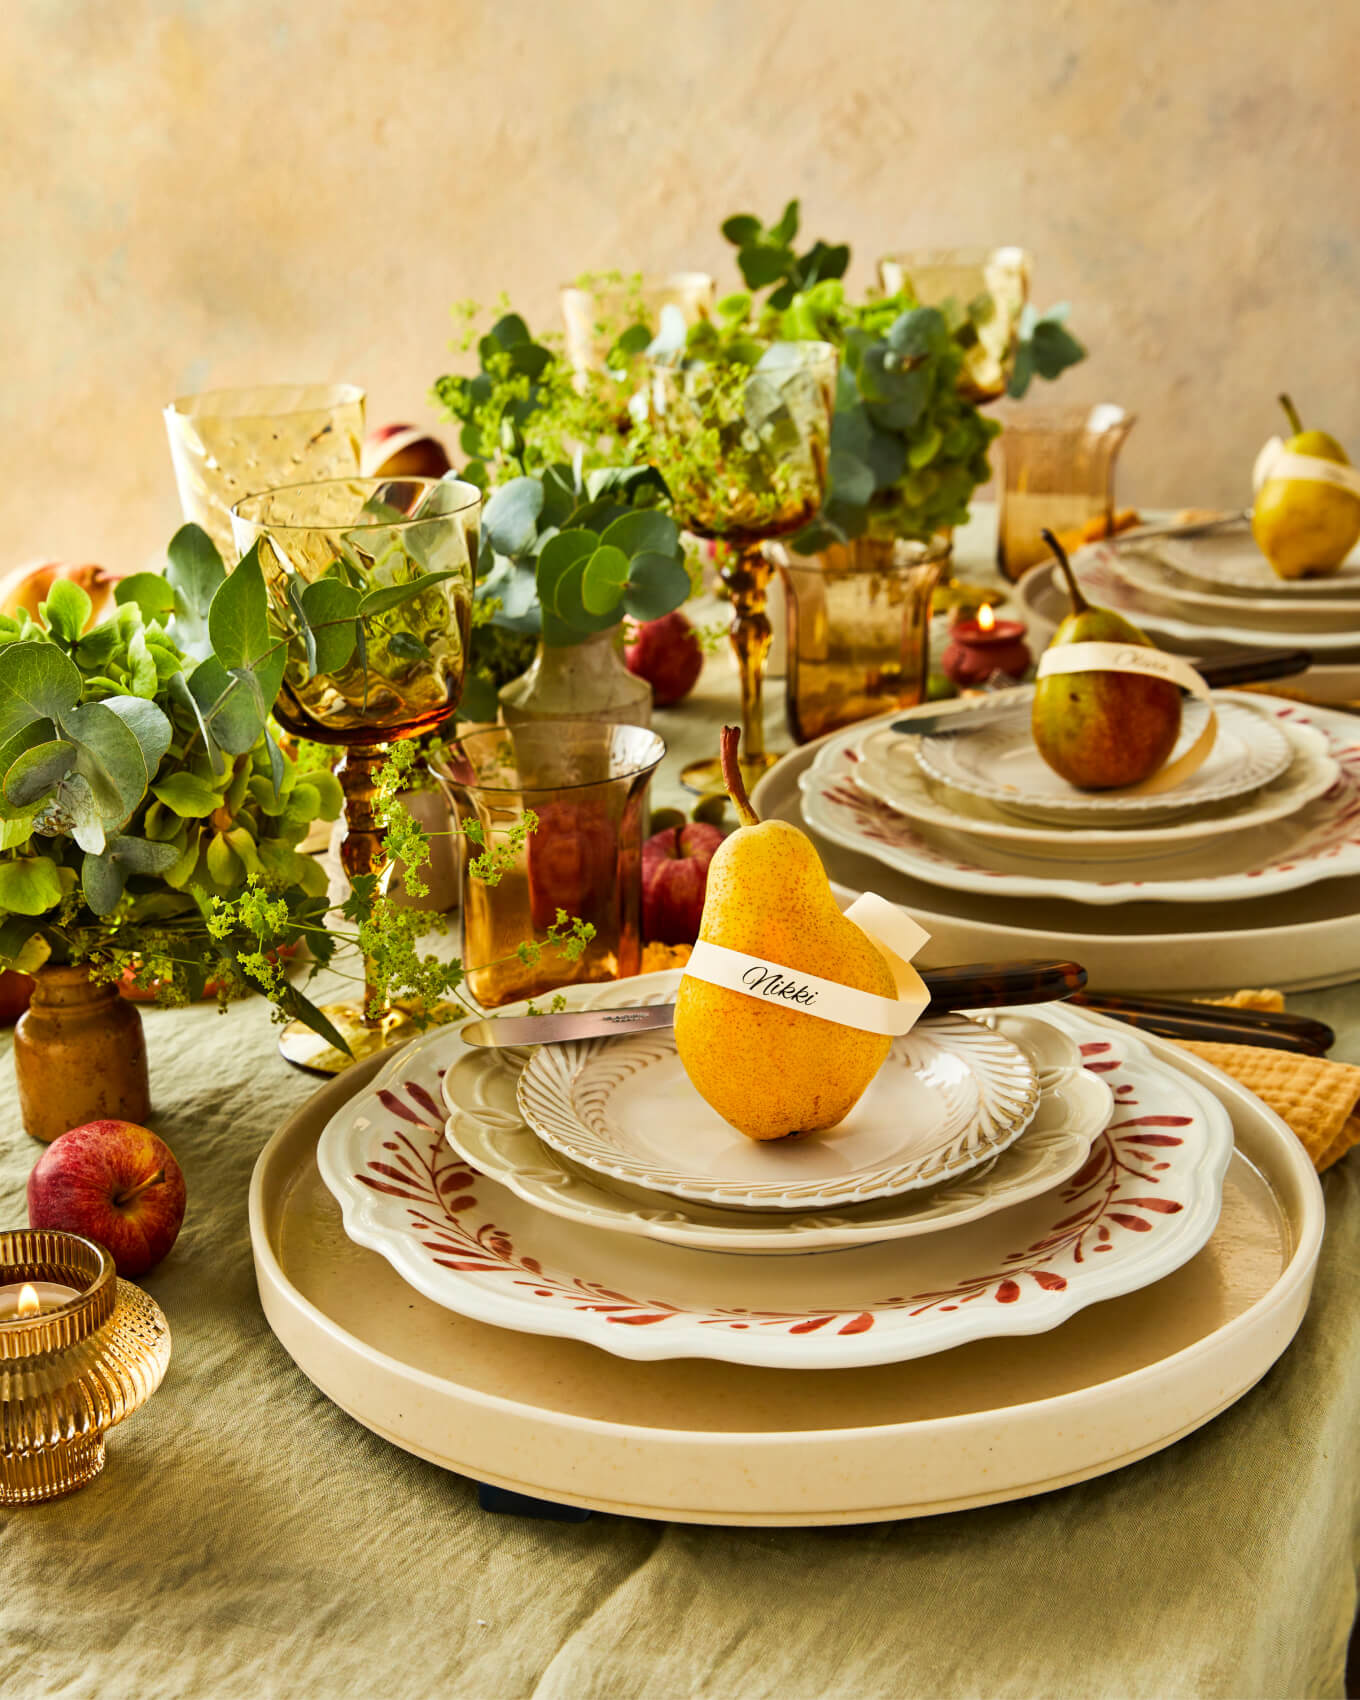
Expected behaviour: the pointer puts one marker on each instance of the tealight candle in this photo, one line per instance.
(981, 648)
(34, 1298)
(79, 1351)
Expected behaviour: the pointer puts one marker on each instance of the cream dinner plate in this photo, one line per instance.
(1043, 603)
(951, 1094)
(485, 1127)
(886, 768)
(1319, 842)
(1145, 1201)
(999, 762)
(1153, 576)
(1231, 561)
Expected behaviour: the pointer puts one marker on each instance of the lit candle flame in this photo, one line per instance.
(986, 617)
(29, 1303)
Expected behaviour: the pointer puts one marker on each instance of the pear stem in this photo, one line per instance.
(1292, 415)
(123, 1199)
(1079, 602)
(732, 779)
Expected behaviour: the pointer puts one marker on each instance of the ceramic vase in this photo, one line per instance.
(79, 1056)
(579, 681)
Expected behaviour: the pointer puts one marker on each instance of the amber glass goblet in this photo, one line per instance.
(396, 671)
(227, 444)
(744, 450)
(981, 292)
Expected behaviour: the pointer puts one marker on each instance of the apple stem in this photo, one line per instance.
(732, 779)
(1292, 415)
(123, 1199)
(1079, 602)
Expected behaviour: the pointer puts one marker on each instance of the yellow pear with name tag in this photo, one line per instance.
(763, 1063)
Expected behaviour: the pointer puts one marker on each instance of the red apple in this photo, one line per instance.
(668, 655)
(573, 862)
(674, 879)
(15, 991)
(116, 1183)
(403, 451)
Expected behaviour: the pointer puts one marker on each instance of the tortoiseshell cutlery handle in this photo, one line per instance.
(1217, 1023)
(1252, 666)
(987, 985)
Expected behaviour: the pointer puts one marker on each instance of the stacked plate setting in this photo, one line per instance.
(1274, 809)
(1200, 593)
(1002, 1172)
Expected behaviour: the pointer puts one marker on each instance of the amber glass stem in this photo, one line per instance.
(361, 849)
(746, 573)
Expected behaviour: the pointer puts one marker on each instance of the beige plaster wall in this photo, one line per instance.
(205, 192)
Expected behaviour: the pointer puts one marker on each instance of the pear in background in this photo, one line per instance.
(1303, 528)
(1102, 730)
(771, 1069)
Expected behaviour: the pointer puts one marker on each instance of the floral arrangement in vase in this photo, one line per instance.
(150, 822)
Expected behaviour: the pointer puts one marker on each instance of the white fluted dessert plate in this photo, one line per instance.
(951, 1094)
(1321, 841)
(485, 1127)
(999, 762)
(1144, 1203)
(886, 768)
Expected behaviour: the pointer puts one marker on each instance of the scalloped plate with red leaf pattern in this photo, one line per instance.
(1143, 1204)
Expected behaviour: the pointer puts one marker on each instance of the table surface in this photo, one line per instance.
(248, 1538)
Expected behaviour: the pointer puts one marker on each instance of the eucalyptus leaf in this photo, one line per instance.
(194, 570)
(66, 610)
(109, 757)
(328, 607)
(510, 517)
(238, 619)
(27, 738)
(657, 584)
(190, 797)
(35, 772)
(140, 856)
(22, 945)
(643, 529)
(391, 596)
(37, 682)
(152, 593)
(179, 692)
(229, 711)
(852, 480)
(604, 578)
(29, 885)
(102, 881)
(276, 771)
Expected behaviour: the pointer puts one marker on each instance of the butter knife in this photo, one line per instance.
(1242, 667)
(978, 985)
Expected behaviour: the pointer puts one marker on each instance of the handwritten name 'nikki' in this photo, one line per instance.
(765, 983)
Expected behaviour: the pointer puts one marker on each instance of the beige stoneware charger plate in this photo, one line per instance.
(1144, 1202)
(887, 769)
(484, 1126)
(951, 1094)
(708, 1442)
(1296, 940)
(1000, 763)
(1320, 841)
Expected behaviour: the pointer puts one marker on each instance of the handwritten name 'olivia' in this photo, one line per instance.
(766, 983)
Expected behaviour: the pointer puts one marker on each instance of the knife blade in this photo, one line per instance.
(1220, 672)
(975, 985)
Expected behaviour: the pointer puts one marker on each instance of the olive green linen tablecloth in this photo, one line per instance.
(249, 1539)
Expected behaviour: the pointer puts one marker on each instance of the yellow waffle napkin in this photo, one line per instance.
(1319, 1099)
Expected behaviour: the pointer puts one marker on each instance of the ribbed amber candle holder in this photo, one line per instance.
(69, 1374)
